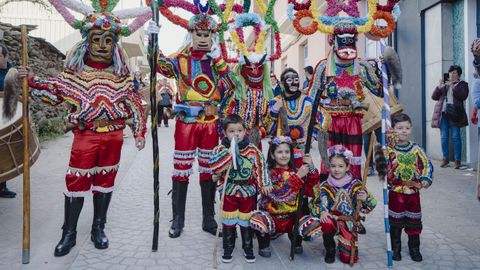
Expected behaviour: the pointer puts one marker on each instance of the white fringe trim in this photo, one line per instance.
(93, 171)
(205, 169)
(183, 162)
(76, 194)
(184, 154)
(103, 189)
(182, 172)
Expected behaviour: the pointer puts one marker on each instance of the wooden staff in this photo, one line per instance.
(219, 220)
(26, 156)
(359, 203)
(152, 51)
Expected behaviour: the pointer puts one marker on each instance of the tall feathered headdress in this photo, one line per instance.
(101, 16)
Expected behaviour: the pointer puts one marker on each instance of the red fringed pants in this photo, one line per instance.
(193, 140)
(404, 210)
(94, 161)
(346, 130)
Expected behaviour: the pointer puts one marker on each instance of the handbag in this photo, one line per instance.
(453, 113)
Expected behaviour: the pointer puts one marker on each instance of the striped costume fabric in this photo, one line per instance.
(91, 95)
(298, 115)
(280, 206)
(242, 184)
(340, 202)
(343, 93)
(407, 164)
(98, 103)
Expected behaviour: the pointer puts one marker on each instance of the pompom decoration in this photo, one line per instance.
(383, 32)
(311, 29)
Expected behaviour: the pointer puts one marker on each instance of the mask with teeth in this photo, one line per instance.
(346, 48)
(253, 73)
(290, 81)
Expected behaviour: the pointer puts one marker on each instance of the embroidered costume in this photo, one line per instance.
(342, 80)
(339, 198)
(203, 81)
(278, 210)
(98, 90)
(240, 189)
(407, 166)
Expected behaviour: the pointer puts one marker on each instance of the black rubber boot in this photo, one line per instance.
(228, 243)
(396, 238)
(330, 247)
(264, 249)
(298, 249)
(414, 248)
(208, 198)
(179, 198)
(100, 208)
(73, 207)
(247, 244)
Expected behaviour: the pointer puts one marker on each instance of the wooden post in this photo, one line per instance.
(26, 156)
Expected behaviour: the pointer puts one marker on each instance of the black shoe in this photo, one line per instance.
(228, 243)
(73, 207)
(395, 237)
(101, 201)
(5, 192)
(264, 249)
(298, 249)
(247, 244)
(179, 198)
(330, 247)
(414, 248)
(208, 198)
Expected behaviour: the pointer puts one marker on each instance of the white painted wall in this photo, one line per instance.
(434, 59)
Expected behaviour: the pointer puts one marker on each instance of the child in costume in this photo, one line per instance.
(246, 176)
(408, 170)
(336, 208)
(278, 209)
(298, 108)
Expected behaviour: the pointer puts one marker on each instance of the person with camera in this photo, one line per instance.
(449, 113)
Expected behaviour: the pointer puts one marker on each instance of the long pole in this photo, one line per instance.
(478, 166)
(308, 145)
(219, 219)
(26, 156)
(386, 124)
(152, 51)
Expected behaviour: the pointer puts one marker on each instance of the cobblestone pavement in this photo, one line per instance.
(450, 239)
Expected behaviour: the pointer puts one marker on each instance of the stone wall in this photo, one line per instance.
(46, 61)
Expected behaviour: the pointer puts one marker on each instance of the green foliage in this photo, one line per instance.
(50, 128)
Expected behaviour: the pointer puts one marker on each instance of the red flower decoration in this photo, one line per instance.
(299, 6)
(299, 15)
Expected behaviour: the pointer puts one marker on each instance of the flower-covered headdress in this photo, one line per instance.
(281, 139)
(101, 16)
(339, 150)
(327, 23)
(202, 21)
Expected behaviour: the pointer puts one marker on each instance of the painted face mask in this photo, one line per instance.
(253, 72)
(202, 40)
(101, 45)
(346, 48)
(291, 82)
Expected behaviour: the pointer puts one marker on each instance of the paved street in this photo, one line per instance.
(450, 239)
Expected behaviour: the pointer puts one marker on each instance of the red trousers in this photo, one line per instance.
(346, 130)
(94, 161)
(193, 140)
(237, 210)
(404, 210)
